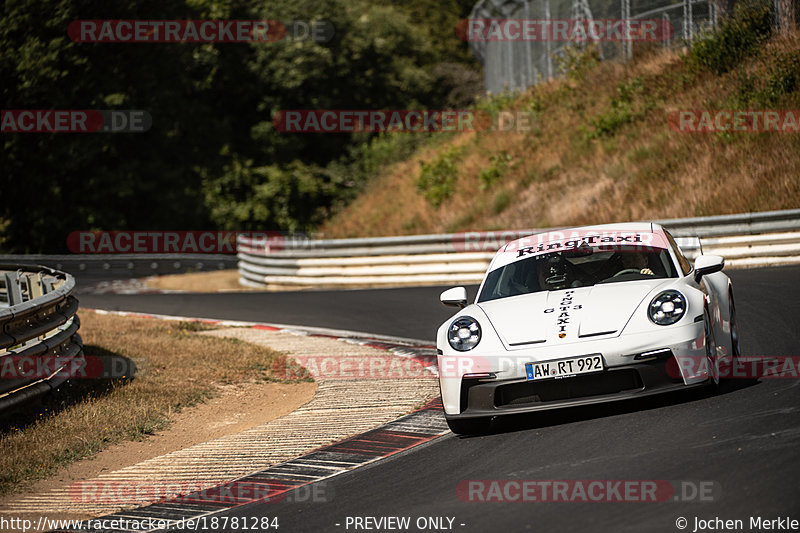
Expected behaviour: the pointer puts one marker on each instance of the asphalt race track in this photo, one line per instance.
(745, 441)
(409, 312)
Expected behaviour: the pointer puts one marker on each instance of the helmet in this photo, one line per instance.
(553, 273)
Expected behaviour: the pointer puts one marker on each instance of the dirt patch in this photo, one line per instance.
(217, 281)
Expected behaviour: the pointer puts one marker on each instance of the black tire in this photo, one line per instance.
(470, 426)
(736, 350)
(711, 355)
(727, 368)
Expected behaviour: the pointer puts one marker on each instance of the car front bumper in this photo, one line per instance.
(507, 391)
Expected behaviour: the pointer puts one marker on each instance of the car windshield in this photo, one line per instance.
(576, 268)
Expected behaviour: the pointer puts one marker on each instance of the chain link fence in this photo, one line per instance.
(514, 65)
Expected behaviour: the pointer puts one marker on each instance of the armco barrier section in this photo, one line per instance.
(39, 338)
(750, 239)
(117, 266)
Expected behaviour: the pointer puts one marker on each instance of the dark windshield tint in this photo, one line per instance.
(684, 263)
(562, 270)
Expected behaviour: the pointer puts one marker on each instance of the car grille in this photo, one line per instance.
(552, 390)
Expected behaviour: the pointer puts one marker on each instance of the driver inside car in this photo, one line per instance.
(634, 261)
(554, 273)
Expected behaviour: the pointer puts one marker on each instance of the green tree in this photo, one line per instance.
(212, 157)
(52, 184)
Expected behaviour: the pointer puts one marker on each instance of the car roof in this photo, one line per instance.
(620, 227)
(513, 250)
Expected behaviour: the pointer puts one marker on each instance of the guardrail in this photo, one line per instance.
(39, 340)
(129, 265)
(750, 239)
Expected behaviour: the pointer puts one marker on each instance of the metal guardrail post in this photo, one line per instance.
(13, 290)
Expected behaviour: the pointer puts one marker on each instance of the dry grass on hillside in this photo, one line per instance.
(562, 174)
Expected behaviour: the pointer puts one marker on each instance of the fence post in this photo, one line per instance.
(688, 30)
(712, 14)
(627, 45)
(547, 44)
(786, 12)
(666, 37)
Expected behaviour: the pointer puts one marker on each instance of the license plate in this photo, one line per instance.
(564, 368)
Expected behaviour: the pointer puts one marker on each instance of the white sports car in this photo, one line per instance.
(581, 316)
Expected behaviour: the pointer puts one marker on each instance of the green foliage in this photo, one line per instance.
(488, 109)
(642, 154)
(782, 78)
(53, 184)
(248, 197)
(575, 61)
(382, 150)
(437, 179)
(498, 164)
(439, 19)
(622, 111)
(735, 40)
(501, 201)
(535, 105)
(495, 103)
(377, 59)
(535, 175)
(212, 157)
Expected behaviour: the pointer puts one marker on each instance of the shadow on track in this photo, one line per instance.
(528, 421)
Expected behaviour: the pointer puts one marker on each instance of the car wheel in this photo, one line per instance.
(711, 351)
(727, 366)
(736, 350)
(470, 426)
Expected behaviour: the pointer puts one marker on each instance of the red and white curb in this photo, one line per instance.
(277, 482)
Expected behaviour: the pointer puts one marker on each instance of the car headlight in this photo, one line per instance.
(464, 333)
(667, 308)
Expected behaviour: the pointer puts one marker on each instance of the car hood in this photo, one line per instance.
(569, 314)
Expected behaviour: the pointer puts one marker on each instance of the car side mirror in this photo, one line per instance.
(707, 264)
(457, 296)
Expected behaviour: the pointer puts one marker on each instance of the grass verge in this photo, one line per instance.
(601, 148)
(175, 369)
